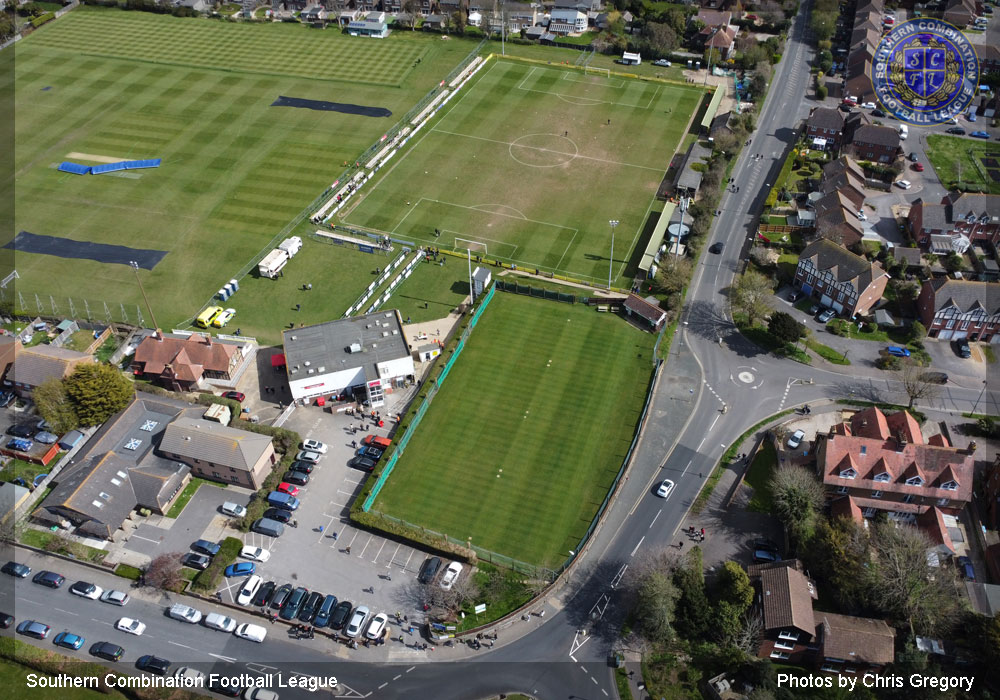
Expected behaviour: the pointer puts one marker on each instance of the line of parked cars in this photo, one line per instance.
(371, 451)
(284, 501)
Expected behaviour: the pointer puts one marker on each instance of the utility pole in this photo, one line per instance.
(135, 266)
(613, 223)
(980, 397)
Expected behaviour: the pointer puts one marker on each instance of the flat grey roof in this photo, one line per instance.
(326, 346)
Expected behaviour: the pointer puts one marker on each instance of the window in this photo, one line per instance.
(876, 494)
(234, 478)
(780, 655)
(883, 477)
(841, 489)
(864, 449)
(908, 498)
(914, 481)
(787, 646)
(943, 502)
(789, 635)
(830, 668)
(869, 512)
(848, 474)
(950, 486)
(217, 475)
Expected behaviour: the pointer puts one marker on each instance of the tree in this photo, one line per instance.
(953, 262)
(733, 595)
(750, 294)
(7, 27)
(917, 331)
(458, 21)
(797, 496)
(915, 381)
(758, 83)
(712, 57)
(660, 37)
(656, 597)
(98, 391)
(693, 612)
(784, 327)
(837, 553)
(410, 8)
(164, 572)
(54, 405)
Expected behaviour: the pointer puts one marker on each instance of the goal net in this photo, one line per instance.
(604, 72)
(476, 247)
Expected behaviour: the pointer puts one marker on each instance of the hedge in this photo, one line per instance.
(42, 19)
(208, 579)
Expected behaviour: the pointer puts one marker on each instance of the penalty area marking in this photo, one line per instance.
(571, 77)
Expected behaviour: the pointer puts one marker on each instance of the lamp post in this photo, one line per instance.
(135, 267)
(613, 223)
(976, 405)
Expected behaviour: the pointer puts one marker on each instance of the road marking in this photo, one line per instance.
(178, 644)
(410, 669)
(383, 685)
(654, 519)
(715, 421)
(605, 693)
(140, 537)
(227, 659)
(688, 465)
(379, 552)
(701, 443)
(397, 676)
(619, 576)
(595, 681)
(67, 612)
(582, 668)
(637, 546)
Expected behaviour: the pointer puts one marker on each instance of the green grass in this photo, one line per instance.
(988, 354)
(26, 470)
(129, 572)
(826, 352)
(235, 170)
(758, 476)
(441, 287)
(188, 493)
(80, 340)
(107, 349)
(949, 154)
(477, 175)
(14, 675)
(584, 39)
(507, 595)
(45, 539)
(622, 683)
(500, 456)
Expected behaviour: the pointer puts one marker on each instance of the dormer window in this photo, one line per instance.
(864, 449)
(884, 476)
(950, 486)
(848, 474)
(914, 481)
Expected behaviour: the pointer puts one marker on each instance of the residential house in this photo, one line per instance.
(521, 16)
(436, 22)
(952, 309)
(858, 83)
(960, 219)
(214, 451)
(825, 127)
(713, 18)
(879, 144)
(961, 13)
(794, 633)
(845, 176)
(186, 362)
(883, 463)
(723, 39)
(315, 15)
(36, 364)
(565, 22)
(837, 219)
(989, 58)
(912, 258)
(581, 5)
(116, 472)
(200, 6)
(984, 262)
(847, 283)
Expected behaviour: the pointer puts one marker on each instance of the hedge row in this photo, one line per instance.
(208, 579)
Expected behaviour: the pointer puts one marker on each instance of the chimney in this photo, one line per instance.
(900, 441)
(208, 339)
(158, 334)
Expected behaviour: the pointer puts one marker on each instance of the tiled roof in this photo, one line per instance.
(846, 507)
(842, 263)
(826, 118)
(643, 308)
(963, 294)
(855, 639)
(878, 135)
(872, 423)
(984, 208)
(215, 443)
(36, 364)
(188, 357)
(786, 600)
(713, 18)
(931, 522)
(844, 165)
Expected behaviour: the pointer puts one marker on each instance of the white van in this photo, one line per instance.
(218, 621)
(904, 131)
(184, 613)
(255, 633)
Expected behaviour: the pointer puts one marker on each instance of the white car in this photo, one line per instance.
(451, 575)
(255, 633)
(314, 446)
(218, 621)
(233, 509)
(222, 319)
(377, 626)
(259, 694)
(249, 590)
(86, 590)
(308, 456)
(662, 62)
(862, 216)
(255, 554)
(665, 488)
(115, 597)
(868, 105)
(357, 621)
(796, 439)
(196, 677)
(127, 624)
(904, 184)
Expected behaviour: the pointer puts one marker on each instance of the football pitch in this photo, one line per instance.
(521, 443)
(100, 85)
(531, 164)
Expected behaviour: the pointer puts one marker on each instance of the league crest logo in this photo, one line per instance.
(925, 72)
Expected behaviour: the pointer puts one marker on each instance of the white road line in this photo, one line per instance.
(714, 422)
(572, 657)
(701, 443)
(178, 644)
(595, 681)
(67, 612)
(410, 669)
(383, 685)
(654, 519)
(582, 668)
(393, 557)
(686, 467)
(637, 546)
(227, 659)
(140, 537)
(397, 676)
(379, 552)
(605, 693)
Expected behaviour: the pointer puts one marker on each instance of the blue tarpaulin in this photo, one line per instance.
(136, 164)
(107, 168)
(75, 168)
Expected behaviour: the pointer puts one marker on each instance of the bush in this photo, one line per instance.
(208, 579)
(891, 362)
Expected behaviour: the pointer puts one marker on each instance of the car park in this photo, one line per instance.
(291, 607)
(184, 613)
(12, 568)
(153, 664)
(31, 628)
(310, 607)
(233, 509)
(314, 446)
(308, 456)
(241, 568)
(69, 640)
(904, 184)
(429, 569)
(451, 574)
(897, 351)
(218, 621)
(130, 626)
(796, 439)
(965, 567)
(979, 135)
(294, 477)
(825, 315)
(263, 596)
(279, 514)
(255, 633)
(237, 396)
(665, 488)
(86, 590)
(376, 628)
(281, 596)
(49, 579)
(196, 561)
(248, 590)
(325, 611)
(206, 547)
(304, 467)
(962, 348)
(363, 463)
(46, 438)
(290, 489)
(340, 614)
(358, 618)
(255, 553)
(115, 597)
(107, 650)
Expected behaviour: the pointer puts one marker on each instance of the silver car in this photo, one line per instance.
(357, 621)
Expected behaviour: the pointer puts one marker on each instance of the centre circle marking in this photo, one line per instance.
(559, 157)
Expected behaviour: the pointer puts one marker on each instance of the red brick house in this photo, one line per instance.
(826, 123)
(847, 177)
(180, 363)
(989, 58)
(794, 633)
(837, 219)
(879, 144)
(953, 309)
(961, 13)
(883, 463)
(847, 283)
(974, 216)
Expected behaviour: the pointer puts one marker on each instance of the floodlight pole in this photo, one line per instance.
(976, 405)
(472, 290)
(613, 223)
(135, 267)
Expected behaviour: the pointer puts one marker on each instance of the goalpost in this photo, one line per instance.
(470, 245)
(590, 70)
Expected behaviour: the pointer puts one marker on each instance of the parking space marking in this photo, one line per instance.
(393, 557)
(140, 537)
(379, 552)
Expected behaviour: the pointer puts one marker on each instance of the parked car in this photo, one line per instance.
(357, 621)
(340, 614)
(86, 590)
(242, 568)
(429, 569)
(291, 608)
(373, 453)
(897, 351)
(107, 650)
(815, 309)
(363, 463)
(308, 456)
(765, 556)
(206, 547)
(237, 396)
(965, 566)
(46, 438)
(304, 467)
(255, 633)
(867, 105)
(294, 477)
(255, 553)
(878, 113)
(12, 568)
(376, 628)
(979, 135)
(325, 611)
(796, 439)
(285, 487)
(794, 295)
(153, 664)
(222, 319)
(192, 676)
(451, 574)
(130, 626)
(310, 607)
(6, 621)
(314, 446)
(279, 514)
(904, 184)
(6, 399)
(249, 589)
(919, 167)
(662, 63)
(665, 488)
(31, 628)
(263, 595)
(962, 348)
(184, 613)
(196, 561)
(956, 130)
(764, 543)
(115, 597)
(21, 431)
(218, 621)
(826, 315)
(233, 509)
(913, 157)
(280, 596)
(68, 640)
(49, 579)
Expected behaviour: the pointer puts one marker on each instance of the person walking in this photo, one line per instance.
(348, 550)
(680, 545)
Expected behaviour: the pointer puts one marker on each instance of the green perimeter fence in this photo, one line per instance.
(528, 290)
(422, 409)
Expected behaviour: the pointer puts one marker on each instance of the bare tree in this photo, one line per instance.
(164, 572)
(747, 639)
(915, 381)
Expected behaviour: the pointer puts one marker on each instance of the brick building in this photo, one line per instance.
(847, 283)
(953, 309)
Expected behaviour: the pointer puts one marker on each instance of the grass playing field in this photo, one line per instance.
(107, 84)
(531, 164)
(509, 454)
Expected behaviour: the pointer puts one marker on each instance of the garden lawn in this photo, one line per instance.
(951, 154)
(758, 478)
(520, 445)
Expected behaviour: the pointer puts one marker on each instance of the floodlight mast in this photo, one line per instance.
(611, 261)
(135, 266)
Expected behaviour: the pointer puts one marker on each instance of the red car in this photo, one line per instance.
(234, 395)
(285, 487)
(919, 167)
